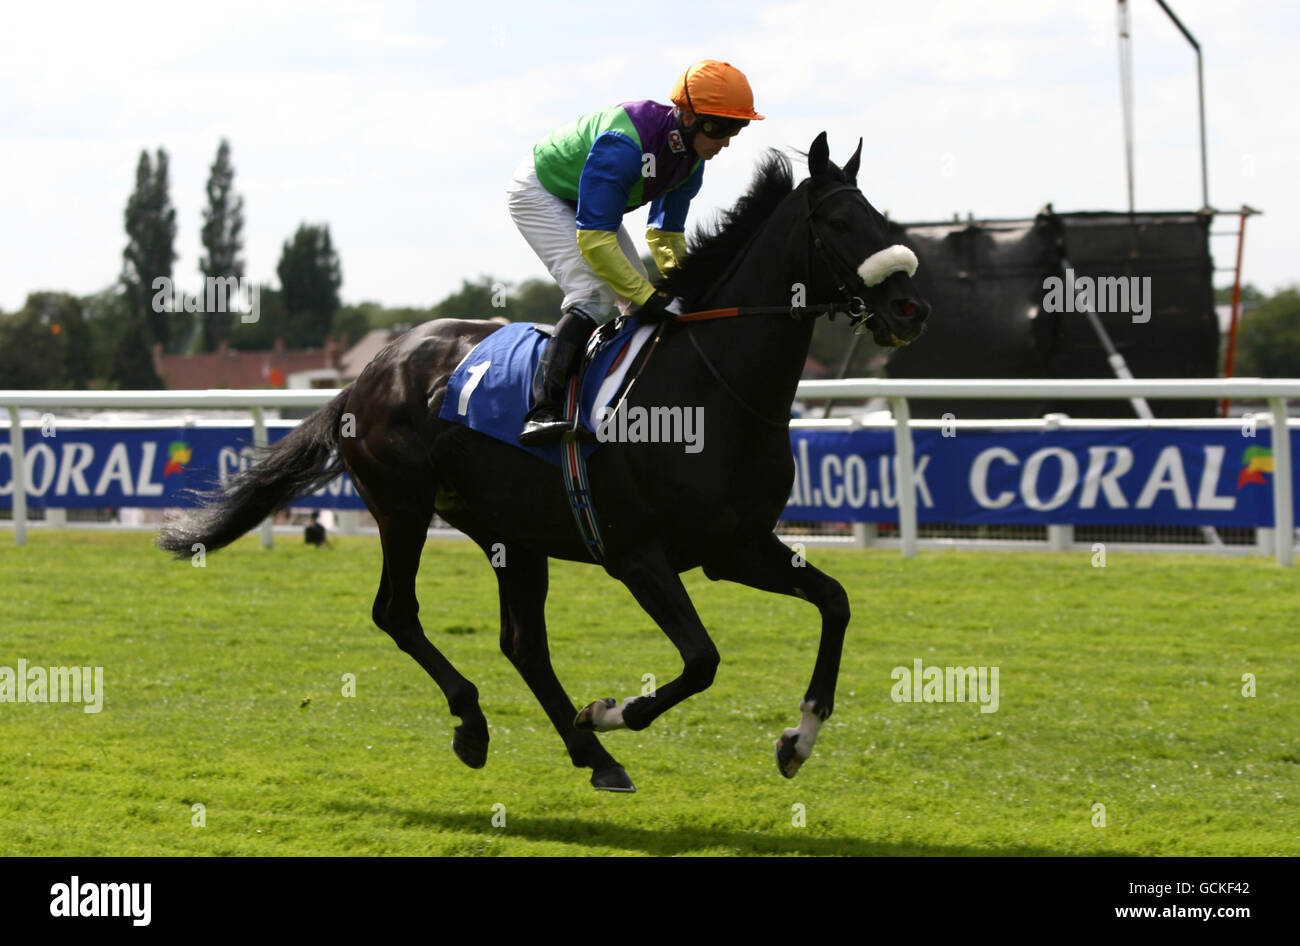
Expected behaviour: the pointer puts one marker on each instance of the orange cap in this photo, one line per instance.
(709, 87)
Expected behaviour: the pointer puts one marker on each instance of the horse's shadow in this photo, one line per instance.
(686, 839)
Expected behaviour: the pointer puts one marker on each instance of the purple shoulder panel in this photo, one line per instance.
(657, 126)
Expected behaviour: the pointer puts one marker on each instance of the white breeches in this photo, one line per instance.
(550, 227)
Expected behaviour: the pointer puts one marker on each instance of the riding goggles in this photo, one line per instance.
(715, 126)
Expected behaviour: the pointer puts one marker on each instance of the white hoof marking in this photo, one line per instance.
(606, 715)
(806, 731)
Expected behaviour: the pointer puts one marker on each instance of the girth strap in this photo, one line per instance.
(576, 483)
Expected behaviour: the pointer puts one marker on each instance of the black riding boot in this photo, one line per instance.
(544, 423)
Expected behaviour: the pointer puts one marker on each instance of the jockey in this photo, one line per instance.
(569, 196)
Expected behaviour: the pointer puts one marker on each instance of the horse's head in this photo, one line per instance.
(854, 242)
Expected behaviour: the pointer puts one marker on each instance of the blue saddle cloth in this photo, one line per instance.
(490, 389)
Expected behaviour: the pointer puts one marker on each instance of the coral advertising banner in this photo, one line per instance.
(1122, 476)
(149, 467)
(1133, 476)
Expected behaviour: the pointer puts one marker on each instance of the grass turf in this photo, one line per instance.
(1120, 686)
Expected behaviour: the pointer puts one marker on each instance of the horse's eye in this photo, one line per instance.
(839, 226)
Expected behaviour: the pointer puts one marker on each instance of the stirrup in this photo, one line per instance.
(541, 430)
(538, 433)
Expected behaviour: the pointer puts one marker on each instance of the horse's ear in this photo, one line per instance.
(851, 169)
(819, 156)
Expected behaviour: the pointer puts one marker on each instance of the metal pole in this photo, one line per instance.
(906, 485)
(1283, 512)
(1113, 357)
(1126, 93)
(259, 441)
(18, 463)
(1200, 97)
(862, 536)
(844, 368)
(1059, 537)
(1230, 359)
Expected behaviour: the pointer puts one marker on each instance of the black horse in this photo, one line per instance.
(662, 510)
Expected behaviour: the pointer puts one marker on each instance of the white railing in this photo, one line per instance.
(1276, 392)
(897, 392)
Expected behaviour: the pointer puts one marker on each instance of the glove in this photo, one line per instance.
(655, 309)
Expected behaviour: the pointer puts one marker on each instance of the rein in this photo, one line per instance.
(717, 376)
(855, 308)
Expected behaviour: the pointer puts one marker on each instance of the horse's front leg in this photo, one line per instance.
(771, 565)
(656, 586)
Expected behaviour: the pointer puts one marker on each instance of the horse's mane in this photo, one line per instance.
(713, 247)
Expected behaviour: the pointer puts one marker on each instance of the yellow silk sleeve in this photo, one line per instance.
(667, 247)
(601, 250)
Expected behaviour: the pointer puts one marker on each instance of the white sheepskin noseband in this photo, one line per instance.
(892, 259)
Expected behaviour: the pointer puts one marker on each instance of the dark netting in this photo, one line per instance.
(1181, 340)
(986, 283)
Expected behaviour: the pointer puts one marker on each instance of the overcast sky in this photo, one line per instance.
(399, 124)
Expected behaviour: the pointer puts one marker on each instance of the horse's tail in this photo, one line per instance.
(301, 462)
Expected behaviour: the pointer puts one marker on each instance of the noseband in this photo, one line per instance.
(843, 274)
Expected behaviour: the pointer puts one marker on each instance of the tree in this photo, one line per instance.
(46, 344)
(68, 324)
(150, 249)
(26, 351)
(350, 323)
(376, 315)
(131, 367)
(473, 300)
(1250, 295)
(535, 300)
(149, 255)
(223, 226)
(364, 316)
(310, 278)
(1268, 342)
(107, 315)
(272, 323)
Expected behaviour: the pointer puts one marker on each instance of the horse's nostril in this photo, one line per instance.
(911, 309)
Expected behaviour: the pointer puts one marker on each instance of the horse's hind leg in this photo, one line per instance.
(396, 611)
(522, 583)
(771, 565)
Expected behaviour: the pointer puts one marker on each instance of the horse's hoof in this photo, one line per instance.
(612, 779)
(586, 718)
(787, 760)
(471, 751)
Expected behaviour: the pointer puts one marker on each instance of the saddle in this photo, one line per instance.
(489, 391)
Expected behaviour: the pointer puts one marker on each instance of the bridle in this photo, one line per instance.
(843, 275)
